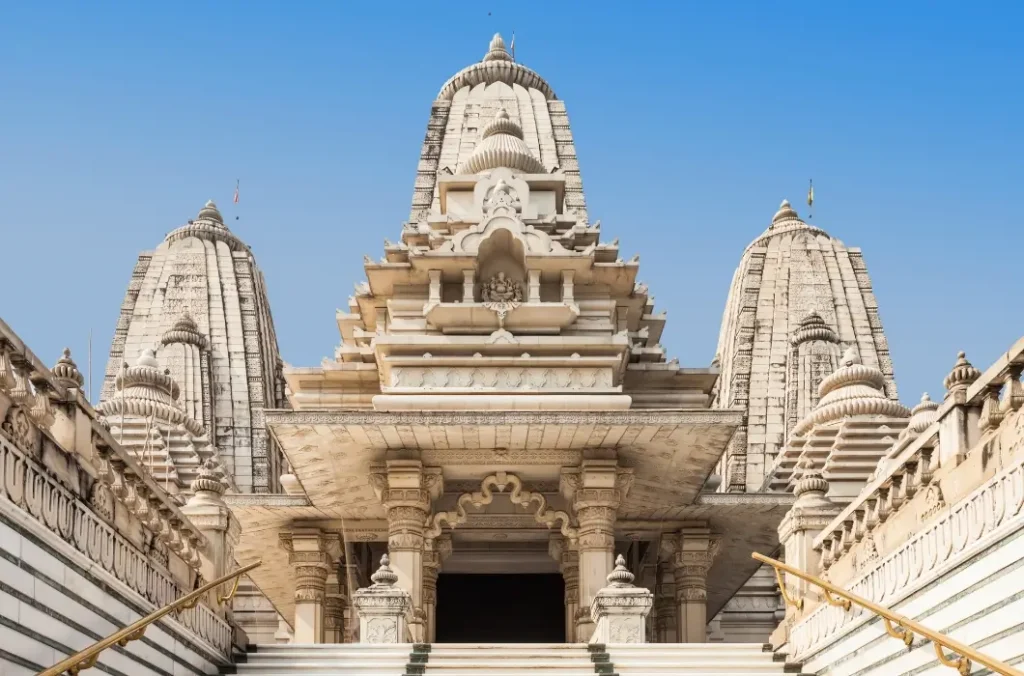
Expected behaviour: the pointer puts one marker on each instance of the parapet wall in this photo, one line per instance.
(88, 542)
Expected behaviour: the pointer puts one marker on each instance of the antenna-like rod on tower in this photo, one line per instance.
(810, 199)
(90, 366)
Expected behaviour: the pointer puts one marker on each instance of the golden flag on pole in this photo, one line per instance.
(810, 193)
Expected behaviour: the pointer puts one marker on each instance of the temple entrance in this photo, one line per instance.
(526, 608)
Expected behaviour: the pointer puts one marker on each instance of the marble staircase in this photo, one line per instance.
(511, 659)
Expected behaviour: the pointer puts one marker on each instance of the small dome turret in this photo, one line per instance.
(210, 212)
(502, 145)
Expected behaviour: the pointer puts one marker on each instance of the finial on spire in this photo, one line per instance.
(210, 212)
(497, 51)
(786, 212)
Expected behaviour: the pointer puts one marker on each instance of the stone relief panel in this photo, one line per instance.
(499, 378)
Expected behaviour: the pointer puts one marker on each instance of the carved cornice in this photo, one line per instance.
(310, 417)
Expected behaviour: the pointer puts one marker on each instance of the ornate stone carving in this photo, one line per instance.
(66, 371)
(986, 516)
(518, 496)
(501, 295)
(619, 610)
(383, 608)
(30, 488)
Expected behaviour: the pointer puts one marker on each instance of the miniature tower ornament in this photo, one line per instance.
(620, 610)
(383, 608)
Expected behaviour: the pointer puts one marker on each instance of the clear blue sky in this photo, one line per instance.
(692, 121)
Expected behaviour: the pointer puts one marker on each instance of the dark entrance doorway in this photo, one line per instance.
(500, 608)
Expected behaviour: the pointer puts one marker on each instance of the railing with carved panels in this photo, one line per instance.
(988, 515)
(996, 397)
(27, 486)
(896, 626)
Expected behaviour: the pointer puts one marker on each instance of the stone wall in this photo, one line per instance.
(89, 543)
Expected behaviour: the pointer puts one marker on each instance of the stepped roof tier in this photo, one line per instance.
(798, 299)
(500, 343)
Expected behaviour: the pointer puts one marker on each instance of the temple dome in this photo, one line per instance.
(853, 390)
(502, 146)
(496, 66)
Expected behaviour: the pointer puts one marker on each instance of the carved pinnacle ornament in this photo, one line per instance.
(384, 576)
(620, 576)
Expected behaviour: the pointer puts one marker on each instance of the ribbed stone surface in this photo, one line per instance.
(791, 271)
(202, 275)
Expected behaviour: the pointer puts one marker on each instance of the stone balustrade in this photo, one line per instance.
(74, 502)
(928, 469)
(946, 492)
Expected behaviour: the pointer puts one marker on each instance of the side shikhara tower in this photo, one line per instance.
(196, 338)
(798, 300)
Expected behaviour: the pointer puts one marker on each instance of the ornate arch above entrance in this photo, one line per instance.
(518, 495)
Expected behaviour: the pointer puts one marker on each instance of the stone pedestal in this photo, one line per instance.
(810, 514)
(312, 554)
(208, 512)
(383, 608)
(695, 551)
(596, 491)
(620, 610)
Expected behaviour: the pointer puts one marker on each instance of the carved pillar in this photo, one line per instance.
(810, 515)
(533, 289)
(567, 554)
(595, 490)
(665, 607)
(406, 490)
(312, 555)
(436, 550)
(958, 429)
(694, 554)
(334, 609)
(468, 286)
(208, 513)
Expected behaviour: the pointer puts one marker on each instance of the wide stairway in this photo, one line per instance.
(511, 659)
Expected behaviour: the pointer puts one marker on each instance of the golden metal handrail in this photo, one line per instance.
(86, 659)
(904, 629)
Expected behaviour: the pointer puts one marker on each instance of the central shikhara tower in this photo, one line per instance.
(499, 401)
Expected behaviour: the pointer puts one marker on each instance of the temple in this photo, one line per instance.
(499, 403)
(499, 451)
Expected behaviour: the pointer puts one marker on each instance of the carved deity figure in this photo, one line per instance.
(501, 295)
(501, 289)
